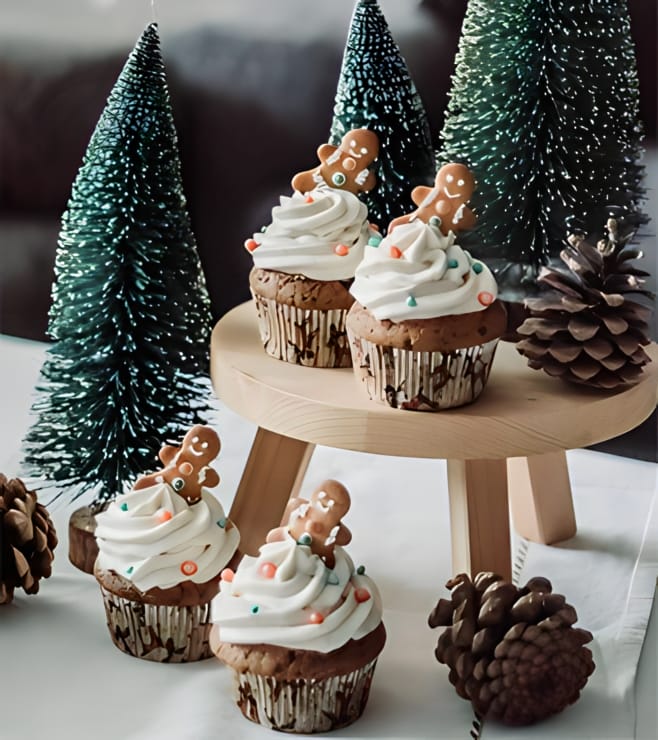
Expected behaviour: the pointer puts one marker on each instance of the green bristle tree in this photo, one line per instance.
(130, 315)
(375, 91)
(544, 109)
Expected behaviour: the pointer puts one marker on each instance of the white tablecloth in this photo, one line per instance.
(61, 676)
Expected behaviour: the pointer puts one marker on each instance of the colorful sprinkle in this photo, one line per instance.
(477, 267)
(267, 570)
(305, 539)
(341, 250)
(411, 302)
(255, 609)
(129, 570)
(188, 567)
(227, 575)
(332, 578)
(395, 252)
(163, 515)
(251, 245)
(435, 221)
(221, 523)
(124, 506)
(361, 570)
(361, 595)
(309, 199)
(374, 241)
(315, 618)
(452, 264)
(486, 298)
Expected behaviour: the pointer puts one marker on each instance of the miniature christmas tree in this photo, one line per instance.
(590, 328)
(130, 316)
(544, 109)
(376, 92)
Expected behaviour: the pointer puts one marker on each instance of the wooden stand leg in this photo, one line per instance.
(274, 471)
(479, 516)
(540, 497)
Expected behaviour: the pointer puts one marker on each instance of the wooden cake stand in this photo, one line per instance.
(508, 446)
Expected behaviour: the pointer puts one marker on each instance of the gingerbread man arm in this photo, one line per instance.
(210, 477)
(168, 453)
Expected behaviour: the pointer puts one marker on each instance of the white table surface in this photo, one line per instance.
(62, 677)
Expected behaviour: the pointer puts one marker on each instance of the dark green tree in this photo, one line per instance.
(375, 91)
(130, 315)
(544, 108)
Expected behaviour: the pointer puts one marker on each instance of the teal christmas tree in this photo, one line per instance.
(375, 91)
(130, 315)
(544, 109)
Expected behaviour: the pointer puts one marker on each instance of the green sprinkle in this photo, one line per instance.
(332, 578)
(477, 268)
(255, 609)
(124, 506)
(361, 570)
(452, 264)
(221, 523)
(411, 302)
(129, 570)
(374, 241)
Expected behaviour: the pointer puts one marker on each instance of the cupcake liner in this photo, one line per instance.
(421, 381)
(164, 634)
(304, 705)
(304, 337)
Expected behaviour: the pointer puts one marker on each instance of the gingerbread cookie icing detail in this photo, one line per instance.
(345, 167)
(317, 522)
(453, 187)
(187, 467)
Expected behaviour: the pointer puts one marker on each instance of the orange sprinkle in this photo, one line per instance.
(361, 595)
(309, 199)
(189, 567)
(342, 250)
(315, 618)
(251, 244)
(164, 515)
(267, 570)
(395, 252)
(227, 575)
(485, 298)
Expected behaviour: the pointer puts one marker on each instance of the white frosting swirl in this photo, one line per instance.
(418, 273)
(322, 238)
(138, 539)
(303, 605)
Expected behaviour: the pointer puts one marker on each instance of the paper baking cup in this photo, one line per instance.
(303, 337)
(421, 381)
(164, 634)
(304, 705)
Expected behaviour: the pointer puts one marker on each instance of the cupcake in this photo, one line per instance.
(162, 547)
(426, 321)
(304, 261)
(301, 627)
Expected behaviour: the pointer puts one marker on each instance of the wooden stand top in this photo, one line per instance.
(521, 411)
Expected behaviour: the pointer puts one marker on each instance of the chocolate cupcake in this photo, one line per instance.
(304, 262)
(301, 627)
(426, 322)
(162, 547)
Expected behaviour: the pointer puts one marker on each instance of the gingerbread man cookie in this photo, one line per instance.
(344, 167)
(186, 468)
(453, 187)
(317, 522)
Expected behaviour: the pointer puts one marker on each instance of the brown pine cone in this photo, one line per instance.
(513, 652)
(27, 539)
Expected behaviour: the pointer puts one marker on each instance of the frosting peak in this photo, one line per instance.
(320, 234)
(417, 272)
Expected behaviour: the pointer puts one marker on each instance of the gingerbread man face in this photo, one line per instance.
(186, 467)
(344, 167)
(453, 187)
(317, 522)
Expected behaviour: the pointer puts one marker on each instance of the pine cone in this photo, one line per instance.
(587, 330)
(513, 652)
(27, 539)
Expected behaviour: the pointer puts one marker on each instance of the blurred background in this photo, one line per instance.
(252, 85)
